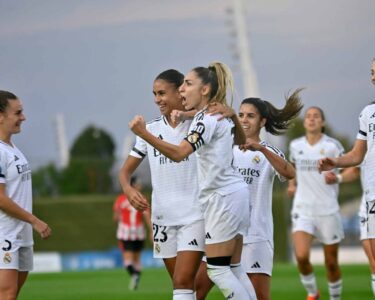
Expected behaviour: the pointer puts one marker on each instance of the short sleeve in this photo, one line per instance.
(201, 131)
(291, 153)
(362, 132)
(3, 166)
(140, 148)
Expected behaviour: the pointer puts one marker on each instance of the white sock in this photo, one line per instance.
(373, 283)
(309, 282)
(180, 294)
(227, 282)
(335, 289)
(240, 273)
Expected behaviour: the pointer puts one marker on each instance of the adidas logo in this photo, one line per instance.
(230, 296)
(16, 158)
(255, 266)
(193, 243)
(373, 116)
(208, 236)
(335, 237)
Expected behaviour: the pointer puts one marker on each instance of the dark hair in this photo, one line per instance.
(172, 76)
(322, 115)
(4, 98)
(219, 77)
(277, 120)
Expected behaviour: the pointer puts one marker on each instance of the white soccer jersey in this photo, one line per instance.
(259, 174)
(313, 196)
(15, 174)
(174, 185)
(213, 142)
(367, 133)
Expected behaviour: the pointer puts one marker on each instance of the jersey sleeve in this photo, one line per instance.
(140, 148)
(340, 149)
(292, 153)
(282, 155)
(362, 132)
(3, 166)
(201, 131)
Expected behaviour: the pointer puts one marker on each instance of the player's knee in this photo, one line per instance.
(302, 259)
(332, 266)
(182, 281)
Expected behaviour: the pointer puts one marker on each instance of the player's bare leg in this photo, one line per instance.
(262, 285)
(371, 259)
(8, 284)
(333, 270)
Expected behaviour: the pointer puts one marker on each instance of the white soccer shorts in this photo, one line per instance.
(327, 229)
(168, 240)
(18, 258)
(257, 258)
(370, 205)
(227, 216)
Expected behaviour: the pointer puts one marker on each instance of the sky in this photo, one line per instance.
(95, 61)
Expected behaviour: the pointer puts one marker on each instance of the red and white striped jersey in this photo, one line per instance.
(130, 225)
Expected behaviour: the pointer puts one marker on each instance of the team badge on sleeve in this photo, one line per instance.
(195, 136)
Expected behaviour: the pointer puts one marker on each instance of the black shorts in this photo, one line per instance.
(132, 245)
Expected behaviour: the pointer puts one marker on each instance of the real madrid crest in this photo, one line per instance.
(157, 248)
(256, 159)
(7, 259)
(193, 138)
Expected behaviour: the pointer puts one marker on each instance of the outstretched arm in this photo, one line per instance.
(174, 152)
(283, 167)
(351, 159)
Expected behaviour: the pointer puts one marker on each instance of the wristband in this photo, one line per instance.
(339, 178)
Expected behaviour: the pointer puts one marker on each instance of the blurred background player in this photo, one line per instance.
(16, 218)
(131, 233)
(315, 212)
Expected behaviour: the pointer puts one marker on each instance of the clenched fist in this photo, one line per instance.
(137, 125)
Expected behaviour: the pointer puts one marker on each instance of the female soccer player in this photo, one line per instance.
(363, 146)
(315, 212)
(131, 233)
(223, 193)
(258, 167)
(177, 217)
(16, 219)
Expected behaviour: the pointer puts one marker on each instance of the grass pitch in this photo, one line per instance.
(155, 284)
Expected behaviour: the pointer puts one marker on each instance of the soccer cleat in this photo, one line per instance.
(314, 297)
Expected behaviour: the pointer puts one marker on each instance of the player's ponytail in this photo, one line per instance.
(220, 79)
(277, 120)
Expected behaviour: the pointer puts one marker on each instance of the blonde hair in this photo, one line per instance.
(220, 79)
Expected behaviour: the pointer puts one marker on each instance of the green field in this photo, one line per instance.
(155, 285)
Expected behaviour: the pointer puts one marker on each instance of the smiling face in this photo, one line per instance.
(251, 120)
(313, 121)
(194, 92)
(12, 118)
(167, 97)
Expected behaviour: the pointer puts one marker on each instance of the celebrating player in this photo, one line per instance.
(223, 193)
(258, 166)
(16, 218)
(177, 217)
